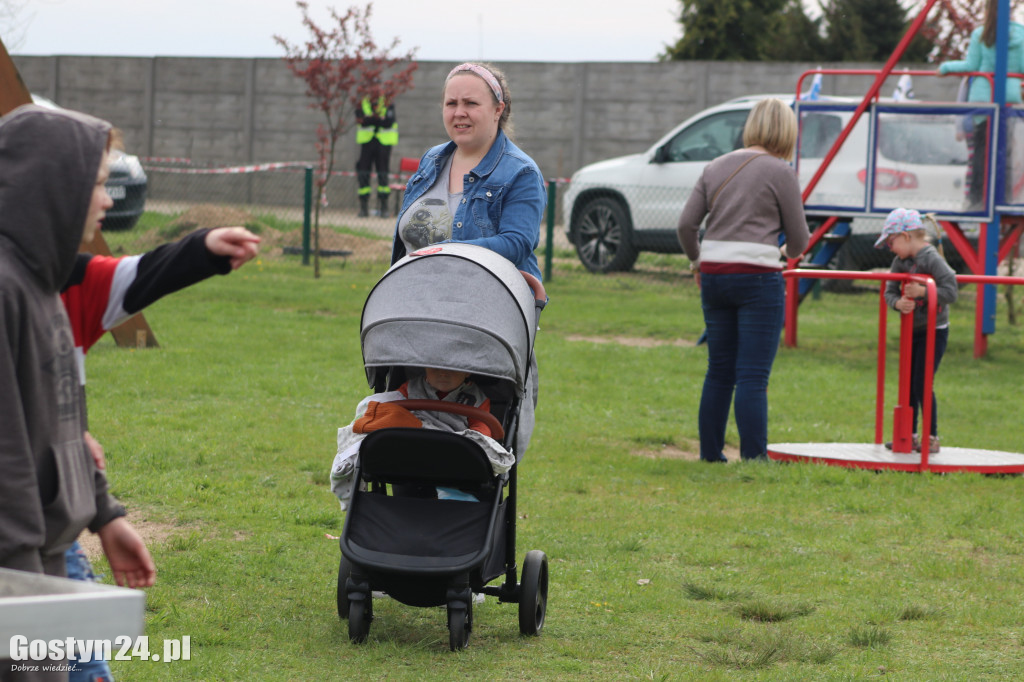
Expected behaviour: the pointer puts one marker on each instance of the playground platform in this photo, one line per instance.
(877, 457)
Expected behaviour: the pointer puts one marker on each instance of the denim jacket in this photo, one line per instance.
(502, 204)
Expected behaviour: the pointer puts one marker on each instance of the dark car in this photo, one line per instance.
(126, 186)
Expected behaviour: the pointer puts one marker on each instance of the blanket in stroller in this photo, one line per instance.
(350, 437)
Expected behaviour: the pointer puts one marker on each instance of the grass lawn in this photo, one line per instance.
(662, 568)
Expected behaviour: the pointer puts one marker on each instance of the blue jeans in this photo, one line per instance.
(84, 671)
(743, 314)
(918, 351)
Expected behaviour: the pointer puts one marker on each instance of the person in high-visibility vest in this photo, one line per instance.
(376, 135)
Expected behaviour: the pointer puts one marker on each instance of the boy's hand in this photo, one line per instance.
(237, 243)
(127, 555)
(914, 290)
(906, 305)
(96, 450)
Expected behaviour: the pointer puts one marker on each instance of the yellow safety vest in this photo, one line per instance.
(386, 136)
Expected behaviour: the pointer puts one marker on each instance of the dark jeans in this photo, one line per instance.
(917, 366)
(743, 315)
(373, 154)
(90, 670)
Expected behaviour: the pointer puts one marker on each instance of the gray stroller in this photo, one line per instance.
(466, 308)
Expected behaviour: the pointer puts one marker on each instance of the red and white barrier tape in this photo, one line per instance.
(155, 164)
(166, 159)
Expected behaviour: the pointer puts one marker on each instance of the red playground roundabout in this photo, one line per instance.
(902, 457)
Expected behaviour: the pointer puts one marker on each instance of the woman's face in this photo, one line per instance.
(470, 113)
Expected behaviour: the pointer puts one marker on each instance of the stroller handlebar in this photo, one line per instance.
(539, 294)
(497, 432)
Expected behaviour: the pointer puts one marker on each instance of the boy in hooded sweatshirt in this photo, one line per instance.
(53, 170)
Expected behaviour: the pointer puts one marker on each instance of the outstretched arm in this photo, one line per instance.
(237, 243)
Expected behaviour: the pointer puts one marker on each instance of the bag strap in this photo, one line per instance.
(719, 190)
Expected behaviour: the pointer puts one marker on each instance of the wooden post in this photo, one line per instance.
(13, 91)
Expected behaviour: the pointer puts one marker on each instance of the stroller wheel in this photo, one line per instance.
(360, 613)
(460, 624)
(533, 593)
(344, 571)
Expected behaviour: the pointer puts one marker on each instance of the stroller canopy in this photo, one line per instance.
(452, 306)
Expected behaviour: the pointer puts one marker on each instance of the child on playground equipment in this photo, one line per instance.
(376, 412)
(904, 234)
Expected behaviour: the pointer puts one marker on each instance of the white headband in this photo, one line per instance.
(483, 73)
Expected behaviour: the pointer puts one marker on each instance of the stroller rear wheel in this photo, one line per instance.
(460, 624)
(533, 593)
(360, 613)
(344, 571)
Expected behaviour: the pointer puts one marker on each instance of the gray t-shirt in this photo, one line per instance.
(429, 219)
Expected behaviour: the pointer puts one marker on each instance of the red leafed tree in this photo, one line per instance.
(950, 24)
(341, 64)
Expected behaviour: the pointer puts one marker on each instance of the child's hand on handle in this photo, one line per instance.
(237, 243)
(914, 290)
(906, 305)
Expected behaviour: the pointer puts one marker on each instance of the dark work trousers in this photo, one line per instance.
(373, 154)
(978, 162)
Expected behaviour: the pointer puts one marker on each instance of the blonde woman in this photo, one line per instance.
(750, 198)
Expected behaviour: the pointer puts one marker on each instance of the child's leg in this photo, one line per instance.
(941, 339)
(917, 367)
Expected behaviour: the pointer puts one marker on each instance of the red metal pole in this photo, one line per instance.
(980, 340)
(793, 288)
(883, 310)
(792, 308)
(903, 413)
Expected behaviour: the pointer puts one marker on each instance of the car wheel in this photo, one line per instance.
(602, 234)
(842, 261)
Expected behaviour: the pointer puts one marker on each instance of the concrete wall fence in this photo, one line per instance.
(233, 112)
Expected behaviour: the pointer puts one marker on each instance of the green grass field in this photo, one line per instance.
(662, 568)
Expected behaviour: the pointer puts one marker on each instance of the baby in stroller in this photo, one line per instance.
(380, 410)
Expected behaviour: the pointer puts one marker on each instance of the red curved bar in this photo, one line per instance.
(497, 432)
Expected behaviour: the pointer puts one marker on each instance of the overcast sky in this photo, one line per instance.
(508, 30)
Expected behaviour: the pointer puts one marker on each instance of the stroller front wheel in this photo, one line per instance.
(533, 593)
(460, 624)
(360, 613)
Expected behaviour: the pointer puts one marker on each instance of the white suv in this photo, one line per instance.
(617, 208)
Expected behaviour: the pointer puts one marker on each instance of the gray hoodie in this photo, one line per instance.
(49, 487)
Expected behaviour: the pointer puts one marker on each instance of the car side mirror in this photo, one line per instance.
(660, 154)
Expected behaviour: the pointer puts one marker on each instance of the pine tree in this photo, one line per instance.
(863, 30)
(739, 30)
